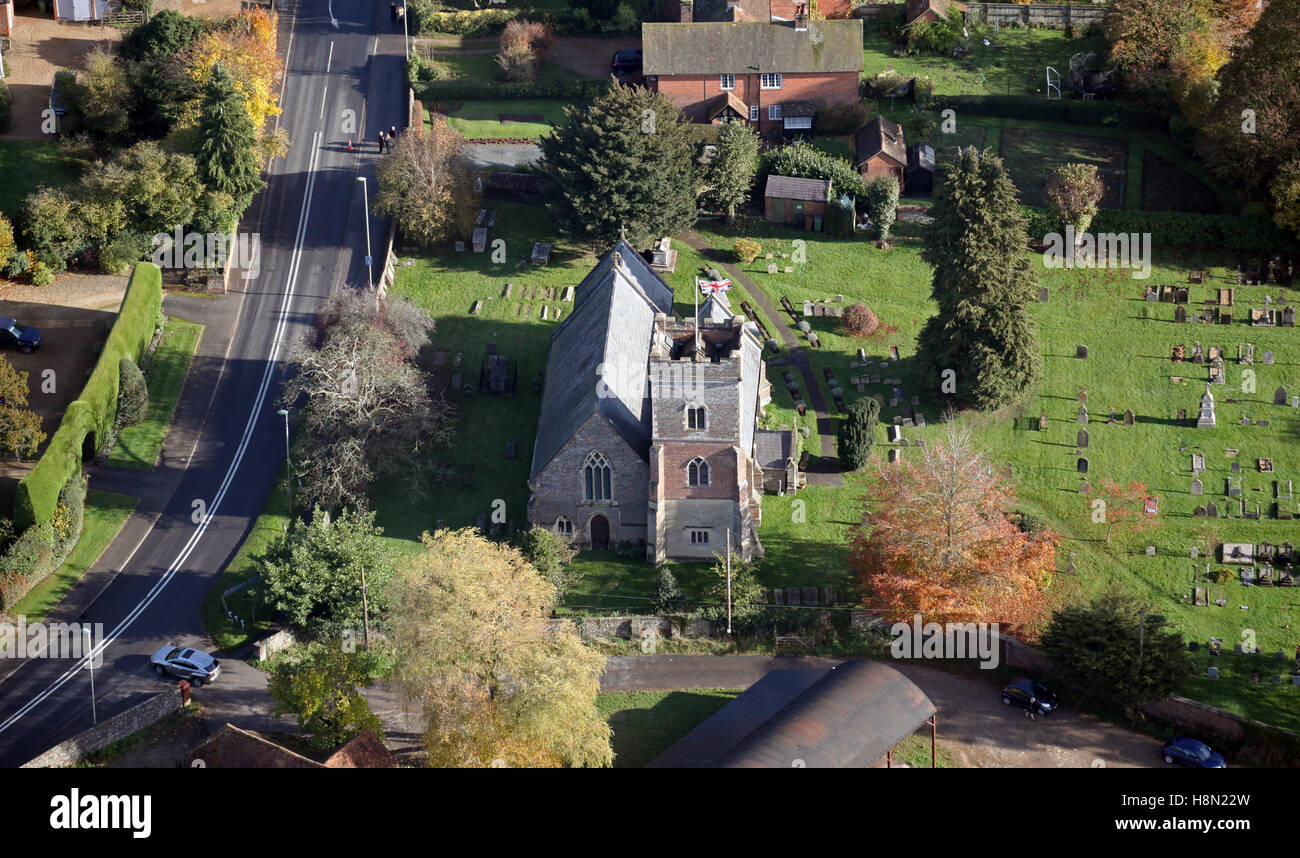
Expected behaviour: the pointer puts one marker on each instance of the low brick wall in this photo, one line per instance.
(133, 720)
(273, 643)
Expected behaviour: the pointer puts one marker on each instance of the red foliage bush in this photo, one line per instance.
(859, 321)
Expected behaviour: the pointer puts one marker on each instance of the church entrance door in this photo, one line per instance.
(599, 532)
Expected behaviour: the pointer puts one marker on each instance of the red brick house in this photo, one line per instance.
(879, 150)
(755, 68)
(931, 11)
(758, 10)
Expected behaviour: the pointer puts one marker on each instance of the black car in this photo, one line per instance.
(1187, 751)
(626, 61)
(1028, 694)
(21, 337)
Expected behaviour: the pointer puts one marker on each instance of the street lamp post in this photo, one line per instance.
(406, 28)
(88, 650)
(288, 466)
(365, 213)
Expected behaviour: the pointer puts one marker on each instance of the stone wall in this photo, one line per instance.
(273, 643)
(1036, 14)
(133, 720)
(594, 628)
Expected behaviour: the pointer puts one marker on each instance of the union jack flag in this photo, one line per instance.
(712, 287)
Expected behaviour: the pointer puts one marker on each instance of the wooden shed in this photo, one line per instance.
(796, 202)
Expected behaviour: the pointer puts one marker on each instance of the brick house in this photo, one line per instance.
(648, 422)
(800, 203)
(757, 10)
(930, 11)
(879, 150)
(755, 68)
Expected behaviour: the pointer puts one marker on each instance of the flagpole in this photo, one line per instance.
(696, 295)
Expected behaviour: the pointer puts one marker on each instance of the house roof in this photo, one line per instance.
(364, 751)
(798, 108)
(879, 137)
(734, 47)
(792, 188)
(600, 355)
(779, 10)
(724, 100)
(233, 748)
(845, 717)
(917, 8)
(772, 449)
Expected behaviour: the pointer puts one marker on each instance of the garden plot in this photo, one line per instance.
(1032, 155)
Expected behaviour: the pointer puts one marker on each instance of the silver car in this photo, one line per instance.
(192, 664)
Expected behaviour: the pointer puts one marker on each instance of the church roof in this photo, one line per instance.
(600, 354)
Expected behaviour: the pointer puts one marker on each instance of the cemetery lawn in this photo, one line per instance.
(28, 164)
(647, 723)
(481, 119)
(1014, 63)
(137, 447)
(106, 512)
(1128, 368)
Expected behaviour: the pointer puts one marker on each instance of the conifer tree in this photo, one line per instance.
(624, 165)
(858, 433)
(227, 149)
(982, 282)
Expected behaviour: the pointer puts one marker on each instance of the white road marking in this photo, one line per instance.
(294, 267)
(322, 101)
(330, 60)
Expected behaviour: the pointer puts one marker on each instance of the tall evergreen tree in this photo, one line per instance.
(227, 149)
(982, 282)
(731, 173)
(858, 433)
(627, 162)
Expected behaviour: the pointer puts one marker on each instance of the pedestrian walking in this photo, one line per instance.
(1029, 713)
(392, 133)
(381, 141)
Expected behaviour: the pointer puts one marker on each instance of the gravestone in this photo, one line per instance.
(1266, 359)
(1236, 467)
(1070, 568)
(1081, 440)
(893, 352)
(1081, 352)
(1197, 487)
(1199, 512)
(1234, 487)
(1180, 314)
(1212, 510)
(1198, 356)
(1177, 354)
(1083, 394)
(1082, 465)
(1042, 422)
(1198, 463)
(1082, 415)
(1128, 417)
(1151, 551)
(1246, 354)
(1280, 396)
(1043, 294)
(1212, 672)
(895, 434)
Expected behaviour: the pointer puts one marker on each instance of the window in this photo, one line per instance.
(595, 477)
(728, 81)
(697, 472)
(563, 526)
(753, 113)
(699, 537)
(770, 81)
(774, 112)
(695, 417)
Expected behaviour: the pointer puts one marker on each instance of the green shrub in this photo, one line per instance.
(805, 162)
(935, 37)
(68, 519)
(132, 396)
(41, 274)
(479, 22)
(19, 263)
(26, 562)
(840, 119)
(93, 414)
(746, 250)
(1182, 229)
(6, 106)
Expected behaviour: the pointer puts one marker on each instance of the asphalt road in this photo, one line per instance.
(339, 77)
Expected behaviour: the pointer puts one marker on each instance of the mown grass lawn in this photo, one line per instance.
(106, 512)
(1014, 63)
(138, 447)
(481, 119)
(647, 723)
(28, 164)
(227, 634)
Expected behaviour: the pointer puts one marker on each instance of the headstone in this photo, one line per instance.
(1236, 467)
(1043, 294)
(893, 454)
(1128, 417)
(792, 595)
(895, 434)
(1197, 487)
(568, 294)
(772, 268)
(1081, 440)
(1280, 396)
(1082, 465)
(1212, 510)
(1083, 394)
(1266, 359)
(1082, 415)
(1198, 463)
(1081, 352)
(1212, 672)
(1151, 551)
(893, 352)
(1042, 422)
(1180, 314)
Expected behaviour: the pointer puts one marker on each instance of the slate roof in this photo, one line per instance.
(716, 308)
(750, 47)
(771, 449)
(847, 717)
(920, 156)
(879, 136)
(600, 355)
(751, 361)
(792, 188)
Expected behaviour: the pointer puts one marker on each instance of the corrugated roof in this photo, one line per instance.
(879, 136)
(794, 188)
(742, 47)
(600, 354)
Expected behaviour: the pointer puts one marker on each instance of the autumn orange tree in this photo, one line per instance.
(244, 45)
(937, 538)
(1122, 507)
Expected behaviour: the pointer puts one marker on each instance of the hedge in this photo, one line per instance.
(466, 90)
(6, 106)
(1070, 110)
(480, 22)
(41, 549)
(1181, 229)
(94, 412)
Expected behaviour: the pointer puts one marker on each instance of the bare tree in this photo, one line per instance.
(427, 185)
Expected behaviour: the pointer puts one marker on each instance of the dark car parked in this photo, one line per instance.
(1029, 695)
(626, 61)
(16, 336)
(1187, 751)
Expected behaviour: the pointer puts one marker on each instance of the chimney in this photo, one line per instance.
(801, 17)
(686, 11)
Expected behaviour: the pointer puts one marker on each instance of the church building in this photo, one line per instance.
(649, 426)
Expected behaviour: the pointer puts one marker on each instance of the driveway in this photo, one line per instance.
(974, 726)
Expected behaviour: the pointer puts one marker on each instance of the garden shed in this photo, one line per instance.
(796, 202)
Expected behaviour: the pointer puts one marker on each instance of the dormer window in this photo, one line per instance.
(696, 417)
(697, 472)
(596, 477)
